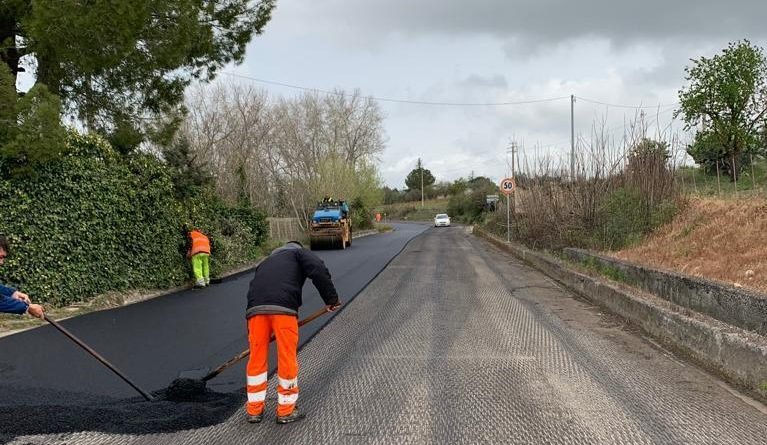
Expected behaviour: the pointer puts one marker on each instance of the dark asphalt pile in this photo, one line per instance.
(38, 411)
(185, 390)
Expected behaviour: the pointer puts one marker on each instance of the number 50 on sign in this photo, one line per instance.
(507, 186)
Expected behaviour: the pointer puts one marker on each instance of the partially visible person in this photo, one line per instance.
(13, 301)
(327, 200)
(199, 253)
(344, 208)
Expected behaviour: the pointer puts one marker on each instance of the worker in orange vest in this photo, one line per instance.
(199, 253)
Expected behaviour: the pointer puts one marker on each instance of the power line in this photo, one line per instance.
(401, 101)
(438, 103)
(593, 101)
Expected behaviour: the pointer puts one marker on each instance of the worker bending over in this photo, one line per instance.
(199, 253)
(273, 301)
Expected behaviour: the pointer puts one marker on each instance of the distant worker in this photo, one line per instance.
(327, 200)
(199, 253)
(344, 208)
(273, 301)
(13, 301)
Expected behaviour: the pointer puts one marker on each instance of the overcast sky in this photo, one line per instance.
(491, 51)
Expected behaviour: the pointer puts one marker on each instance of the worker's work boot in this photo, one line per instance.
(292, 417)
(257, 418)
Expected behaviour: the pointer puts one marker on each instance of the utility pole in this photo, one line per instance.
(421, 183)
(572, 137)
(513, 150)
(514, 174)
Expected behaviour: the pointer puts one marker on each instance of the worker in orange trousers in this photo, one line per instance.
(273, 301)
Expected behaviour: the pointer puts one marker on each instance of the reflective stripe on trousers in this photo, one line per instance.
(285, 329)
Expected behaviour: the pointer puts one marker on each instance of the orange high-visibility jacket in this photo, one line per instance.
(200, 243)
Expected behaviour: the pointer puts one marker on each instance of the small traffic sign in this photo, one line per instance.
(508, 185)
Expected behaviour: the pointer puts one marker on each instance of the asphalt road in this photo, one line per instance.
(455, 342)
(154, 340)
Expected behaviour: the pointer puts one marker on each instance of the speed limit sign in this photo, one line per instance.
(508, 185)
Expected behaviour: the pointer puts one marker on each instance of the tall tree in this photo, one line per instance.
(30, 126)
(413, 180)
(117, 63)
(727, 95)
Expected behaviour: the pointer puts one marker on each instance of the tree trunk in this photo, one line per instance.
(9, 53)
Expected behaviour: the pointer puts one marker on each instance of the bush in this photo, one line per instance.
(470, 206)
(96, 221)
(361, 215)
(626, 218)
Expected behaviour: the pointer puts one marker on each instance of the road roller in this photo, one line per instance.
(330, 227)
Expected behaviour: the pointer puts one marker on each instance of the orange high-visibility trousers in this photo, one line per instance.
(260, 329)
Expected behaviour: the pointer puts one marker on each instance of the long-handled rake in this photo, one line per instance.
(98, 357)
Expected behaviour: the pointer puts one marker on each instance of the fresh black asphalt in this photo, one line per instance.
(47, 384)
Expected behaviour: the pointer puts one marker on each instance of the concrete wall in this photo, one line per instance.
(738, 307)
(737, 355)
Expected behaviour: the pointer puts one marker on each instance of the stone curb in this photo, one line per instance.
(735, 354)
(364, 233)
(739, 307)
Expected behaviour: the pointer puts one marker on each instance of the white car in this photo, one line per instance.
(442, 220)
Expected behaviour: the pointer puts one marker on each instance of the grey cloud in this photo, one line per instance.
(478, 81)
(536, 22)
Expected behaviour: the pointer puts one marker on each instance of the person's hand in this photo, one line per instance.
(36, 310)
(333, 307)
(21, 296)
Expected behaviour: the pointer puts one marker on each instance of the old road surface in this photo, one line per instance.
(453, 342)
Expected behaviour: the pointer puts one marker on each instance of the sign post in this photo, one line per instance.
(507, 188)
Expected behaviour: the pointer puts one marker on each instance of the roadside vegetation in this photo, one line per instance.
(635, 200)
(412, 211)
(96, 221)
(617, 195)
(463, 199)
(285, 154)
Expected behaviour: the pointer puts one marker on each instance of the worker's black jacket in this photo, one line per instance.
(276, 286)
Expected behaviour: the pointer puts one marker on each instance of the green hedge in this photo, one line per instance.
(96, 221)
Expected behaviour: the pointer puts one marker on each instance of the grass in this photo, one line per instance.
(382, 228)
(611, 272)
(412, 211)
(697, 182)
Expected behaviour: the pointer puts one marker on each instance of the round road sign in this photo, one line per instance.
(508, 185)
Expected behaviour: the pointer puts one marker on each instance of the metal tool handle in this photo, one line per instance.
(98, 357)
(246, 352)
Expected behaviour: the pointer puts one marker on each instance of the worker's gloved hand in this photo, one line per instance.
(333, 307)
(36, 310)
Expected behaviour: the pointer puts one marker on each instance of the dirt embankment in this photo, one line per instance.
(719, 239)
